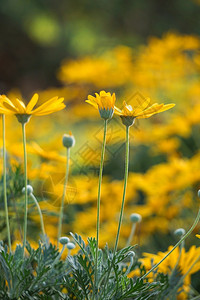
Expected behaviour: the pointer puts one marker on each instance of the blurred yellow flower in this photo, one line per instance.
(198, 235)
(142, 110)
(188, 265)
(104, 102)
(17, 107)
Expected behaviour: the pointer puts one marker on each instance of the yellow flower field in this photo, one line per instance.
(164, 156)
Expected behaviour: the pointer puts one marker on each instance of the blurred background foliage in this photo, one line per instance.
(37, 35)
(136, 49)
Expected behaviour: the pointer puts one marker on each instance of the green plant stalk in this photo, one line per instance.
(124, 191)
(131, 234)
(25, 185)
(179, 242)
(123, 201)
(40, 213)
(98, 200)
(178, 260)
(63, 196)
(4, 182)
(130, 266)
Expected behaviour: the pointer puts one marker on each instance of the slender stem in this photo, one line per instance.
(179, 242)
(125, 185)
(131, 234)
(4, 182)
(130, 266)
(181, 246)
(63, 196)
(123, 201)
(58, 257)
(25, 185)
(98, 200)
(181, 280)
(40, 213)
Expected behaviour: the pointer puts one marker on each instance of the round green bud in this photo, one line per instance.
(198, 193)
(135, 218)
(70, 246)
(29, 190)
(64, 240)
(68, 140)
(131, 253)
(179, 232)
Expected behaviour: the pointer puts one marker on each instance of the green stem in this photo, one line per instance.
(40, 213)
(125, 185)
(181, 280)
(178, 260)
(25, 185)
(179, 242)
(131, 234)
(98, 201)
(123, 201)
(4, 182)
(63, 196)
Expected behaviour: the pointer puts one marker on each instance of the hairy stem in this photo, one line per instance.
(25, 185)
(122, 205)
(40, 213)
(179, 243)
(133, 228)
(124, 191)
(4, 183)
(98, 202)
(63, 196)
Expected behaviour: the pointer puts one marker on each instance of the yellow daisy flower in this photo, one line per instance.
(23, 112)
(104, 102)
(198, 235)
(141, 111)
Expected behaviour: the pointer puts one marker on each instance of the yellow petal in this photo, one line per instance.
(32, 103)
(12, 108)
(47, 112)
(138, 102)
(52, 106)
(117, 111)
(5, 99)
(113, 98)
(91, 98)
(54, 100)
(144, 116)
(151, 110)
(93, 103)
(166, 107)
(20, 105)
(5, 111)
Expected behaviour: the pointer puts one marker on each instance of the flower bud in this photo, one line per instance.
(135, 218)
(68, 140)
(64, 240)
(70, 246)
(131, 254)
(29, 190)
(179, 232)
